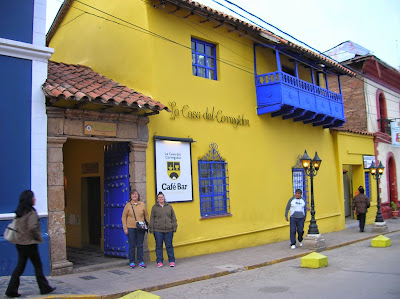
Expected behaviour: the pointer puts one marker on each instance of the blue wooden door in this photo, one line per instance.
(116, 195)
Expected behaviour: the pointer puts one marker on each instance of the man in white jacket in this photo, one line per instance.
(297, 206)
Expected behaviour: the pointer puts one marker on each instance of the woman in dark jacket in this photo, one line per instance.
(29, 236)
(163, 224)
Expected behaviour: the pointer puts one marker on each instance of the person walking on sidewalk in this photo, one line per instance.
(163, 225)
(297, 207)
(360, 205)
(29, 236)
(134, 210)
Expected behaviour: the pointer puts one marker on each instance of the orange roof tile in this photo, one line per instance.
(352, 131)
(79, 83)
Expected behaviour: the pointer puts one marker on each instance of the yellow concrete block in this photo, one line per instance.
(381, 241)
(140, 295)
(314, 260)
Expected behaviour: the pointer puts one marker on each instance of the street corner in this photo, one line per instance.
(140, 295)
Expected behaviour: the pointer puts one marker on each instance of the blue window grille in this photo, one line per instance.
(367, 184)
(204, 62)
(213, 184)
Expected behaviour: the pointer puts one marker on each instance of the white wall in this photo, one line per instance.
(393, 111)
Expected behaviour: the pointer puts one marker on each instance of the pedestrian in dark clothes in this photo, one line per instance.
(29, 236)
(360, 205)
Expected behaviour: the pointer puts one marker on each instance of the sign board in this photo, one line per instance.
(174, 170)
(90, 168)
(100, 128)
(368, 161)
(395, 128)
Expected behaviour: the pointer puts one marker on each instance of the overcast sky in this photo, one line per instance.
(321, 24)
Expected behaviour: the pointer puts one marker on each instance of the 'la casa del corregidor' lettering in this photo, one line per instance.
(211, 115)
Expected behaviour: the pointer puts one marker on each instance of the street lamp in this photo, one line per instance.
(377, 172)
(311, 168)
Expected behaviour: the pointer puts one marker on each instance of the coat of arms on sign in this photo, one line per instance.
(173, 169)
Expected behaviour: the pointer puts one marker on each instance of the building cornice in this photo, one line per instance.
(24, 50)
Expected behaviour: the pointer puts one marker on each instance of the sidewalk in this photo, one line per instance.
(121, 280)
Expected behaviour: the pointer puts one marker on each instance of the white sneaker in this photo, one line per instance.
(301, 244)
(293, 246)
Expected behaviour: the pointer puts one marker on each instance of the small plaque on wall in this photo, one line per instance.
(100, 128)
(368, 161)
(90, 168)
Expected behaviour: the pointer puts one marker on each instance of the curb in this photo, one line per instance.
(72, 296)
(359, 240)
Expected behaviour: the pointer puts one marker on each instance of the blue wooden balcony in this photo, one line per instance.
(283, 95)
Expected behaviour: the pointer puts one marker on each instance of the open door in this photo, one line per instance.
(116, 195)
(91, 204)
(346, 191)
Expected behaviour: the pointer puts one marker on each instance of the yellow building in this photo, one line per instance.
(244, 104)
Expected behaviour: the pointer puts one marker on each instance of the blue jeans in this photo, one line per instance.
(135, 240)
(167, 239)
(296, 224)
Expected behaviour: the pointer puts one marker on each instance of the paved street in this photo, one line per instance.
(354, 271)
(354, 267)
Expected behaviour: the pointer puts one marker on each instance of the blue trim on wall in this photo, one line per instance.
(15, 129)
(16, 20)
(9, 256)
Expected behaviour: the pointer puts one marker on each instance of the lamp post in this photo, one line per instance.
(311, 168)
(377, 172)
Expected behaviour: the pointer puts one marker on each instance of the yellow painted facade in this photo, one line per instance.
(351, 148)
(260, 154)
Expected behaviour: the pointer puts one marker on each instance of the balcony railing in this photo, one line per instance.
(384, 125)
(283, 95)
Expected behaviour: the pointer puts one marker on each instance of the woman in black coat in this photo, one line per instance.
(29, 236)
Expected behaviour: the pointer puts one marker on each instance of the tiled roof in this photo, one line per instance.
(208, 12)
(353, 131)
(70, 85)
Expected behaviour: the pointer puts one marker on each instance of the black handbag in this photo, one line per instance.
(140, 225)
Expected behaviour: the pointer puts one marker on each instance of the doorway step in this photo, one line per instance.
(91, 259)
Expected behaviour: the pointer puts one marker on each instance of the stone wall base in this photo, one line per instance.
(61, 268)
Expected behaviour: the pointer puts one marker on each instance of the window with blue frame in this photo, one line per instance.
(213, 184)
(300, 182)
(204, 62)
(367, 185)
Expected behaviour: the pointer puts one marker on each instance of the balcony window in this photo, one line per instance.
(282, 93)
(383, 122)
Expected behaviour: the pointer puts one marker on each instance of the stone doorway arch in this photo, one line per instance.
(69, 123)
